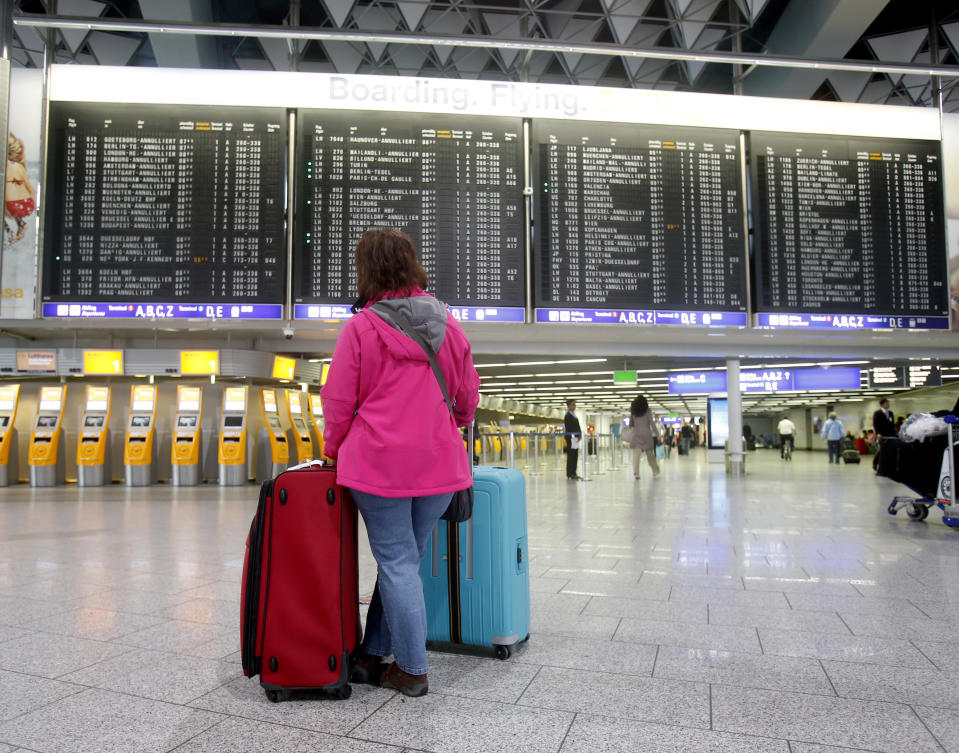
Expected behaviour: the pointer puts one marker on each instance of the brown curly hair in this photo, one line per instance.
(386, 262)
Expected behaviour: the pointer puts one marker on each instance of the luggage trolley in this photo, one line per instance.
(918, 469)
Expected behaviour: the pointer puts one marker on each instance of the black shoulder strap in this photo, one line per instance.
(403, 324)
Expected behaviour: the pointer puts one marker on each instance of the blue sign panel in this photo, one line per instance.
(163, 310)
(641, 316)
(768, 380)
(692, 382)
(460, 313)
(850, 321)
(833, 378)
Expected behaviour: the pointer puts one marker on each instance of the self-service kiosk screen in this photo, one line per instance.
(186, 422)
(139, 422)
(4, 422)
(93, 422)
(273, 421)
(232, 422)
(299, 425)
(46, 422)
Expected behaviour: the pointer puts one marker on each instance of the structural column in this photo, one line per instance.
(735, 406)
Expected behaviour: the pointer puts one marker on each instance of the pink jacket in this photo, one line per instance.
(387, 425)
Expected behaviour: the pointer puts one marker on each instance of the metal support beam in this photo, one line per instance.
(483, 42)
(811, 29)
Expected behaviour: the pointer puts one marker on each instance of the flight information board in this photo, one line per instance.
(639, 224)
(849, 232)
(165, 211)
(453, 183)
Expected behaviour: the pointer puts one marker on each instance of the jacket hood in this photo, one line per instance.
(425, 313)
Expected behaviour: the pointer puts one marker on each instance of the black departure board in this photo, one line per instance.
(848, 225)
(453, 183)
(174, 204)
(639, 217)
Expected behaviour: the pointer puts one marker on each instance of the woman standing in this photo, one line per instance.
(645, 434)
(833, 431)
(396, 444)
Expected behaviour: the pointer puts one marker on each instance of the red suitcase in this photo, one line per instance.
(299, 612)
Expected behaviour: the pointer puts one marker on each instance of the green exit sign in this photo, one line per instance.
(624, 377)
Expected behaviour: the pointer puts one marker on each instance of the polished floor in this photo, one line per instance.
(782, 612)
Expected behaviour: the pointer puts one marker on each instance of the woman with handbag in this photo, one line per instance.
(395, 441)
(645, 435)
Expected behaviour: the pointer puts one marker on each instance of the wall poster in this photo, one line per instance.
(18, 262)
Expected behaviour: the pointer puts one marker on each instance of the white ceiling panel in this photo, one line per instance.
(113, 49)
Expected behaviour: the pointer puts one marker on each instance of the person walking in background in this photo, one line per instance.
(396, 444)
(833, 432)
(884, 425)
(645, 435)
(668, 436)
(574, 435)
(787, 433)
(685, 437)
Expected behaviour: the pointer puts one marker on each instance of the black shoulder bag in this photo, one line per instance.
(461, 505)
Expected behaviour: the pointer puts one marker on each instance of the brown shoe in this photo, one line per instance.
(411, 685)
(366, 669)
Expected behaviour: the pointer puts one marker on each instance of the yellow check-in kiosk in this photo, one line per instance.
(93, 442)
(273, 451)
(9, 444)
(185, 448)
(231, 446)
(139, 468)
(316, 423)
(299, 435)
(47, 458)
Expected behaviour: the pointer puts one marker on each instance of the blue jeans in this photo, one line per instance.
(398, 528)
(833, 449)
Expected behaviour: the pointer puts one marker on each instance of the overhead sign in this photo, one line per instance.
(199, 362)
(37, 361)
(768, 380)
(624, 377)
(912, 377)
(283, 368)
(105, 362)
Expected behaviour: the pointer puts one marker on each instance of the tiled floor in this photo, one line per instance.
(782, 612)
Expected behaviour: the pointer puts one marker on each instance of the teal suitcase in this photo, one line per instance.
(485, 604)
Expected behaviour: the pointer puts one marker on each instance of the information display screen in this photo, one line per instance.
(638, 224)
(453, 183)
(160, 211)
(849, 232)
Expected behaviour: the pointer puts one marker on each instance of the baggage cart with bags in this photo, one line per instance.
(476, 574)
(927, 468)
(299, 612)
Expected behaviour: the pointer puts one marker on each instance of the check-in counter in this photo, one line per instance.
(273, 450)
(47, 459)
(186, 442)
(93, 440)
(231, 446)
(9, 442)
(139, 466)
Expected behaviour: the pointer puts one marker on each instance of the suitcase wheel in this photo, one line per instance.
(345, 692)
(502, 653)
(273, 696)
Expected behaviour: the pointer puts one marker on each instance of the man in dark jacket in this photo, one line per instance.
(573, 430)
(884, 424)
